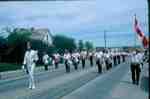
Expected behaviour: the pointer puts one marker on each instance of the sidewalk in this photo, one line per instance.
(145, 78)
(123, 89)
(126, 90)
(20, 73)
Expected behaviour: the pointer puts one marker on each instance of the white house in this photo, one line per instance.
(42, 34)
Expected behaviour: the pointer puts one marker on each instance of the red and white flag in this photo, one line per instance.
(141, 35)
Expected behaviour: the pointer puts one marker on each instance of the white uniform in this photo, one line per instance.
(90, 54)
(29, 60)
(46, 59)
(137, 58)
(100, 56)
(108, 61)
(76, 56)
(56, 57)
(67, 57)
(83, 54)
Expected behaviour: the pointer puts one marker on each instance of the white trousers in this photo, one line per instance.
(31, 77)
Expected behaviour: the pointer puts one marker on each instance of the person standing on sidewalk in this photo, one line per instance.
(135, 67)
(30, 59)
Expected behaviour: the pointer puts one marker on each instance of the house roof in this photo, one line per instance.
(40, 33)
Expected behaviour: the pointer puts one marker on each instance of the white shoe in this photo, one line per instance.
(30, 87)
(33, 87)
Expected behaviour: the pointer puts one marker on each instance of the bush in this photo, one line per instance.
(7, 67)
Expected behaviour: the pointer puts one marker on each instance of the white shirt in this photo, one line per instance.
(45, 58)
(67, 56)
(76, 56)
(83, 54)
(56, 57)
(30, 57)
(136, 58)
(98, 55)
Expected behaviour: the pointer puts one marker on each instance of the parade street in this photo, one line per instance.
(81, 84)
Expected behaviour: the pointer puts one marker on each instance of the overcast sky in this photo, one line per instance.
(84, 20)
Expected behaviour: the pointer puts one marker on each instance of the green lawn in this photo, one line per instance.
(13, 66)
(8, 67)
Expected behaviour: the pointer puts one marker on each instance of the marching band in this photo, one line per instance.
(104, 60)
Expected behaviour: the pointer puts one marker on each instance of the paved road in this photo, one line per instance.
(12, 88)
(57, 84)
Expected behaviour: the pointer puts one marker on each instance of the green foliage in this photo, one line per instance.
(17, 37)
(2, 41)
(81, 45)
(7, 67)
(62, 43)
(88, 45)
(3, 46)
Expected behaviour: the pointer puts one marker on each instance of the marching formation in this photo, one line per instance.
(103, 59)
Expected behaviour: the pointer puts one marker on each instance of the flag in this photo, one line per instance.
(141, 35)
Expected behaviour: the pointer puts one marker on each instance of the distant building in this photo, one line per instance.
(42, 34)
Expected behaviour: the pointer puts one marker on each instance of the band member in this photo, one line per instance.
(91, 55)
(123, 56)
(83, 57)
(108, 61)
(67, 58)
(46, 60)
(118, 58)
(56, 57)
(99, 60)
(75, 59)
(30, 60)
(135, 67)
(115, 59)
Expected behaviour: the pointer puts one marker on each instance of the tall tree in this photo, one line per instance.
(16, 45)
(88, 45)
(81, 45)
(63, 43)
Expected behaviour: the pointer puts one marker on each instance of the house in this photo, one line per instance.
(42, 34)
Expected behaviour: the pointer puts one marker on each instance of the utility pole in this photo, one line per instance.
(105, 38)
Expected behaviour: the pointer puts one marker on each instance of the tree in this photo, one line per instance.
(81, 45)
(2, 41)
(16, 41)
(16, 37)
(3, 47)
(63, 43)
(88, 45)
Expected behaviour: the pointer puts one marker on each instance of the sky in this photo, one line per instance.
(82, 20)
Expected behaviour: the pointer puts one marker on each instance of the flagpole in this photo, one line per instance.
(135, 34)
(135, 40)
